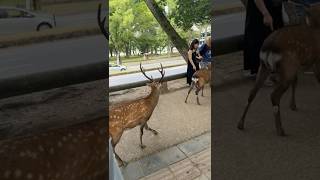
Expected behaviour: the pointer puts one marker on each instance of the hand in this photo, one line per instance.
(268, 21)
(194, 67)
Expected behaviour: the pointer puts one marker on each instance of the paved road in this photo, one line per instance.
(136, 77)
(51, 55)
(257, 152)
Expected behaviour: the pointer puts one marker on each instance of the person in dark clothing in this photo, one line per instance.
(262, 17)
(193, 60)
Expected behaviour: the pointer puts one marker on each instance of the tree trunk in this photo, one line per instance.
(179, 43)
(118, 58)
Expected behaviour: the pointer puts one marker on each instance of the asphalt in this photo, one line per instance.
(24, 60)
(257, 153)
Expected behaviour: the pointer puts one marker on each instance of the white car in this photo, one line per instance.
(15, 20)
(116, 67)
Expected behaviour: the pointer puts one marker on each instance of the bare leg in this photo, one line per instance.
(152, 130)
(275, 99)
(191, 87)
(293, 105)
(141, 134)
(261, 77)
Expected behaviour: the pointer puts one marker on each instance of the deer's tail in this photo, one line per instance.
(195, 79)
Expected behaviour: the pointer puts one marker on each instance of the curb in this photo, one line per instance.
(160, 160)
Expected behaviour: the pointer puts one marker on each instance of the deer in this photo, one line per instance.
(73, 152)
(284, 53)
(199, 79)
(127, 115)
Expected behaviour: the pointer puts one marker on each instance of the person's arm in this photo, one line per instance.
(190, 59)
(267, 18)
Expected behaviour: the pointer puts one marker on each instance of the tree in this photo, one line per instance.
(176, 39)
(188, 13)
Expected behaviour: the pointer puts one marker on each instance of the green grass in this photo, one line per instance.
(140, 58)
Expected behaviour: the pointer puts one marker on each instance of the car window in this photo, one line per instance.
(3, 13)
(14, 13)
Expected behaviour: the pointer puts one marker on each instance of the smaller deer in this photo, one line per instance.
(127, 115)
(199, 79)
(284, 53)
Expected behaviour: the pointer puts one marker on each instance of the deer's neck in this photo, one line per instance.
(153, 97)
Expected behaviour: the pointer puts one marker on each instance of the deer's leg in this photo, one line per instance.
(293, 105)
(141, 134)
(152, 130)
(114, 143)
(261, 77)
(191, 87)
(275, 99)
(202, 91)
(316, 70)
(197, 93)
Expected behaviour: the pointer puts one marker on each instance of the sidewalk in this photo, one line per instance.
(257, 152)
(188, 160)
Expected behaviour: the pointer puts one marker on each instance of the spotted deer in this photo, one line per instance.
(76, 152)
(73, 152)
(199, 79)
(284, 53)
(127, 115)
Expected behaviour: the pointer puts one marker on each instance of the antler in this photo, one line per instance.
(144, 73)
(162, 72)
(102, 22)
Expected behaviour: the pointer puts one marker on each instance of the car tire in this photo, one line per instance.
(44, 26)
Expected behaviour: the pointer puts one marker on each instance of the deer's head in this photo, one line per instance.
(312, 17)
(154, 83)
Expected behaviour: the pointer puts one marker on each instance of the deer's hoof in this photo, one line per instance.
(281, 133)
(240, 126)
(142, 146)
(123, 164)
(293, 107)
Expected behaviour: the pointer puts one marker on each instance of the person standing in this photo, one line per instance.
(193, 60)
(205, 52)
(262, 17)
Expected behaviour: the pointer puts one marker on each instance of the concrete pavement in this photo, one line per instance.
(257, 152)
(173, 119)
(188, 160)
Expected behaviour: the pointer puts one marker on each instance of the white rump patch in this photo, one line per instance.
(195, 79)
(270, 59)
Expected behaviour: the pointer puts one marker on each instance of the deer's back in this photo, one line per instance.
(77, 152)
(130, 114)
(299, 43)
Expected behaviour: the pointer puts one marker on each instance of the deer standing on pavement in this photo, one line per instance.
(199, 79)
(127, 115)
(284, 53)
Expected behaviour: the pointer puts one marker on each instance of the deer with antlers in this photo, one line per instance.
(199, 79)
(284, 53)
(127, 115)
